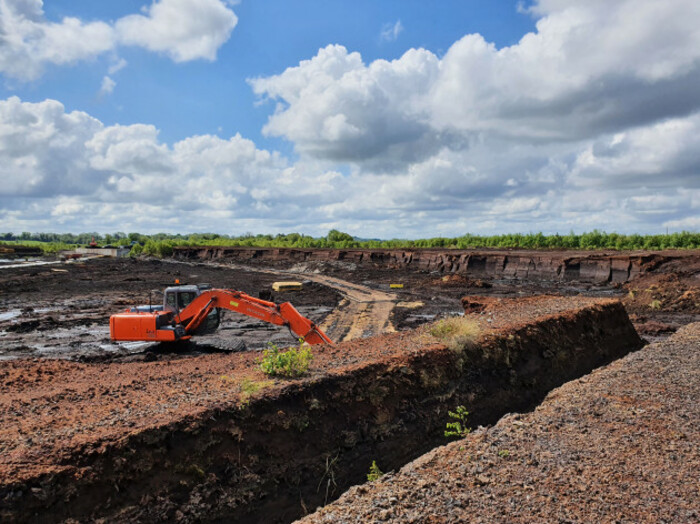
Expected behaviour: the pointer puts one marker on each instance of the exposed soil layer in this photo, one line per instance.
(619, 445)
(515, 264)
(210, 437)
(660, 289)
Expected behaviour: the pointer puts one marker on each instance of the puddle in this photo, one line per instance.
(9, 315)
(30, 263)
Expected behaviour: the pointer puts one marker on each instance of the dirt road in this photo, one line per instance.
(363, 311)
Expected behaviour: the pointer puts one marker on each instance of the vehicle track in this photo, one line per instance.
(363, 311)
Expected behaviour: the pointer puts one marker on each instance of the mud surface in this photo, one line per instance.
(88, 427)
(619, 445)
(62, 311)
(661, 290)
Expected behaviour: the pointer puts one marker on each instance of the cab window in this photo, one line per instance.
(170, 300)
(186, 297)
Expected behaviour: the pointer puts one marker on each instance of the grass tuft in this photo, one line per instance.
(457, 333)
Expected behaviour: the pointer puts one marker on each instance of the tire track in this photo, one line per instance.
(363, 311)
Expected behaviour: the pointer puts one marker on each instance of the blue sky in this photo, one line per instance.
(200, 97)
(391, 119)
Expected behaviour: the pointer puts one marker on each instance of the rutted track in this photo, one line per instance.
(362, 312)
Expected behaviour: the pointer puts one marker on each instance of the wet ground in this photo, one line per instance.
(55, 309)
(63, 310)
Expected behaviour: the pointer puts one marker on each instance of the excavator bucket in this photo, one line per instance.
(301, 325)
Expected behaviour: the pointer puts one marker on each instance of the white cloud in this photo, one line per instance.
(118, 65)
(591, 68)
(29, 41)
(69, 170)
(337, 108)
(390, 32)
(183, 29)
(107, 86)
(590, 122)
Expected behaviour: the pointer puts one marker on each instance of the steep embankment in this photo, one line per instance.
(211, 437)
(620, 445)
(595, 267)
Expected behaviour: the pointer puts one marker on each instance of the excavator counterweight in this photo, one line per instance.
(191, 310)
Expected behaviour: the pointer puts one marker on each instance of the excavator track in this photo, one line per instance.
(219, 344)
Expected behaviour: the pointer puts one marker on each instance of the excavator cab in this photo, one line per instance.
(177, 298)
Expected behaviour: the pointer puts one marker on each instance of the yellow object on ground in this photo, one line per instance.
(410, 305)
(286, 286)
(396, 286)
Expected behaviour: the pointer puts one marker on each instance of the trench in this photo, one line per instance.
(281, 456)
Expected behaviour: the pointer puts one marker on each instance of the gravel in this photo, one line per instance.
(618, 445)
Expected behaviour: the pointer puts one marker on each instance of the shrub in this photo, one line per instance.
(457, 428)
(655, 304)
(457, 333)
(290, 363)
(374, 472)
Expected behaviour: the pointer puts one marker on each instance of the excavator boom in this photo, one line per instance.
(181, 325)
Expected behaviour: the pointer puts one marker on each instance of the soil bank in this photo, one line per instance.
(579, 266)
(619, 445)
(211, 438)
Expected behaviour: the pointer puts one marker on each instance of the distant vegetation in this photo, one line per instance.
(162, 244)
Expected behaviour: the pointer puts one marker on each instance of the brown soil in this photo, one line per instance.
(619, 445)
(72, 430)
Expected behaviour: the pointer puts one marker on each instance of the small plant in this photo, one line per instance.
(503, 453)
(290, 363)
(374, 472)
(655, 304)
(457, 428)
(457, 333)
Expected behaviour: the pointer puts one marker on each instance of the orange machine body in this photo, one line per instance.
(173, 325)
(144, 326)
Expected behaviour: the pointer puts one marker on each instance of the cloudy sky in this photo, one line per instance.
(399, 118)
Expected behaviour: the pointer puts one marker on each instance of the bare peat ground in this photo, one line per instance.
(50, 407)
(57, 416)
(189, 440)
(619, 445)
(659, 288)
(62, 310)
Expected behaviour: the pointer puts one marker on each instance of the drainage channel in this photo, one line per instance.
(280, 455)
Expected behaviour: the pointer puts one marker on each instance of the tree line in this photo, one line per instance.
(162, 244)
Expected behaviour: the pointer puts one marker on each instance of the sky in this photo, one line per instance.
(391, 119)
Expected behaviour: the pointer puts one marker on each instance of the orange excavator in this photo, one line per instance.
(195, 310)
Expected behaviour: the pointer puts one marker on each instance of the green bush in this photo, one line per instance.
(162, 244)
(136, 250)
(290, 363)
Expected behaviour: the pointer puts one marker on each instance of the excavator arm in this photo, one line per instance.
(282, 315)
